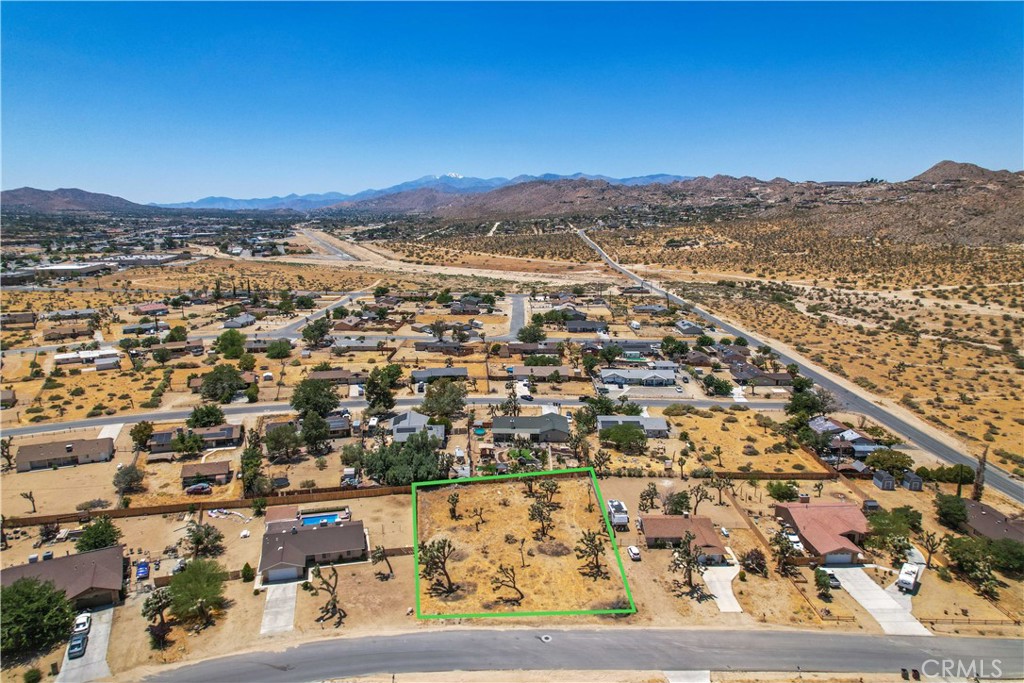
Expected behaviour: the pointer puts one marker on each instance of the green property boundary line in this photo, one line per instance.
(547, 613)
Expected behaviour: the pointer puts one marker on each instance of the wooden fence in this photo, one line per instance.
(777, 476)
(173, 508)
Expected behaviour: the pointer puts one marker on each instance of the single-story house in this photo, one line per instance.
(688, 329)
(339, 426)
(146, 328)
(8, 398)
(339, 376)
(653, 309)
(985, 520)
(884, 480)
(347, 344)
(663, 365)
(831, 531)
(671, 529)
(642, 377)
(41, 456)
(194, 347)
(289, 547)
(404, 425)
(826, 425)
(205, 472)
(524, 372)
(912, 482)
(103, 364)
(543, 348)
(196, 383)
(72, 314)
(18, 318)
(448, 348)
(539, 429)
(219, 436)
(349, 324)
(585, 326)
(243, 320)
(151, 309)
(430, 374)
(90, 579)
(257, 345)
(654, 427)
(66, 332)
(853, 443)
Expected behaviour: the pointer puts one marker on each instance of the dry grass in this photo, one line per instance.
(551, 579)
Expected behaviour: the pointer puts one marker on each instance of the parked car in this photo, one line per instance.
(179, 567)
(725, 532)
(77, 645)
(686, 380)
(634, 553)
(199, 489)
(679, 390)
(142, 570)
(83, 622)
(795, 541)
(527, 397)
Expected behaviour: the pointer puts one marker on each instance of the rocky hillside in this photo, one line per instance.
(32, 200)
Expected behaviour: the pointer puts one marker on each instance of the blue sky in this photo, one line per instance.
(170, 102)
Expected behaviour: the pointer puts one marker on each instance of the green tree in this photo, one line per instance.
(156, 603)
(222, 383)
(141, 433)
(205, 416)
(380, 388)
(453, 505)
(316, 434)
(128, 479)
(315, 395)
(230, 344)
(677, 503)
(178, 333)
(316, 332)
(951, 510)
(821, 582)
(283, 443)
(401, 464)
(609, 353)
(203, 540)
(782, 550)
(893, 462)
(162, 355)
(278, 349)
(247, 362)
(531, 334)
(783, 491)
(444, 398)
(187, 443)
(628, 438)
(540, 512)
(101, 533)
(197, 591)
(37, 616)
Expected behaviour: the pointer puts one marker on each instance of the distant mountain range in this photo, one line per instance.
(450, 183)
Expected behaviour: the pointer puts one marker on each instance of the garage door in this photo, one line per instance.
(283, 574)
(839, 558)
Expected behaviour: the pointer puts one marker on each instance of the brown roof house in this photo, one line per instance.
(985, 520)
(90, 579)
(41, 456)
(671, 529)
(289, 547)
(831, 531)
(205, 473)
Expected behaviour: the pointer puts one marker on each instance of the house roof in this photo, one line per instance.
(221, 431)
(531, 425)
(205, 469)
(676, 526)
(74, 574)
(282, 547)
(646, 423)
(543, 370)
(822, 526)
(991, 523)
(638, 373)
(436, 373)
(58, 449)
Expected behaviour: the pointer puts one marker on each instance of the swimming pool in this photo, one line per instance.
(314, 520)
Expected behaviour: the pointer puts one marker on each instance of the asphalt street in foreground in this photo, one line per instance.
(606, 649)
(994, 478)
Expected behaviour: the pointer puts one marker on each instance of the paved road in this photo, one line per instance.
(994, 478)
(351, 404)
(329, 247)
(599, 649)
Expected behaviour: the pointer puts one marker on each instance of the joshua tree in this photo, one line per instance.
(506, 578)
(590, 548)
(649, 497)
(783, 550)
(434, 557)
(379, 555)
(478, 512)
(329, 584)
(541, 513)
(698, 494)
(932, 543)
(453, 505)
(686, 559)
(528, 484)
(5, 452)
(156, 604)
(30, 497)
(720, 484)
(717, 452)
(601, 460)
(550, 489)
(819, 487)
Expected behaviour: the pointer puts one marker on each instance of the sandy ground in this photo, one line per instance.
(550, 579)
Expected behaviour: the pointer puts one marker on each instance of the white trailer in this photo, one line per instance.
(910, 575)
(618, 515)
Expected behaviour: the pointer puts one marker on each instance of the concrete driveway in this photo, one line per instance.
(279, 611)
(894, 618)
(92, 666)
(719, 582)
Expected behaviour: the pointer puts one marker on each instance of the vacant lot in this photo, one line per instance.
(546, 567)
